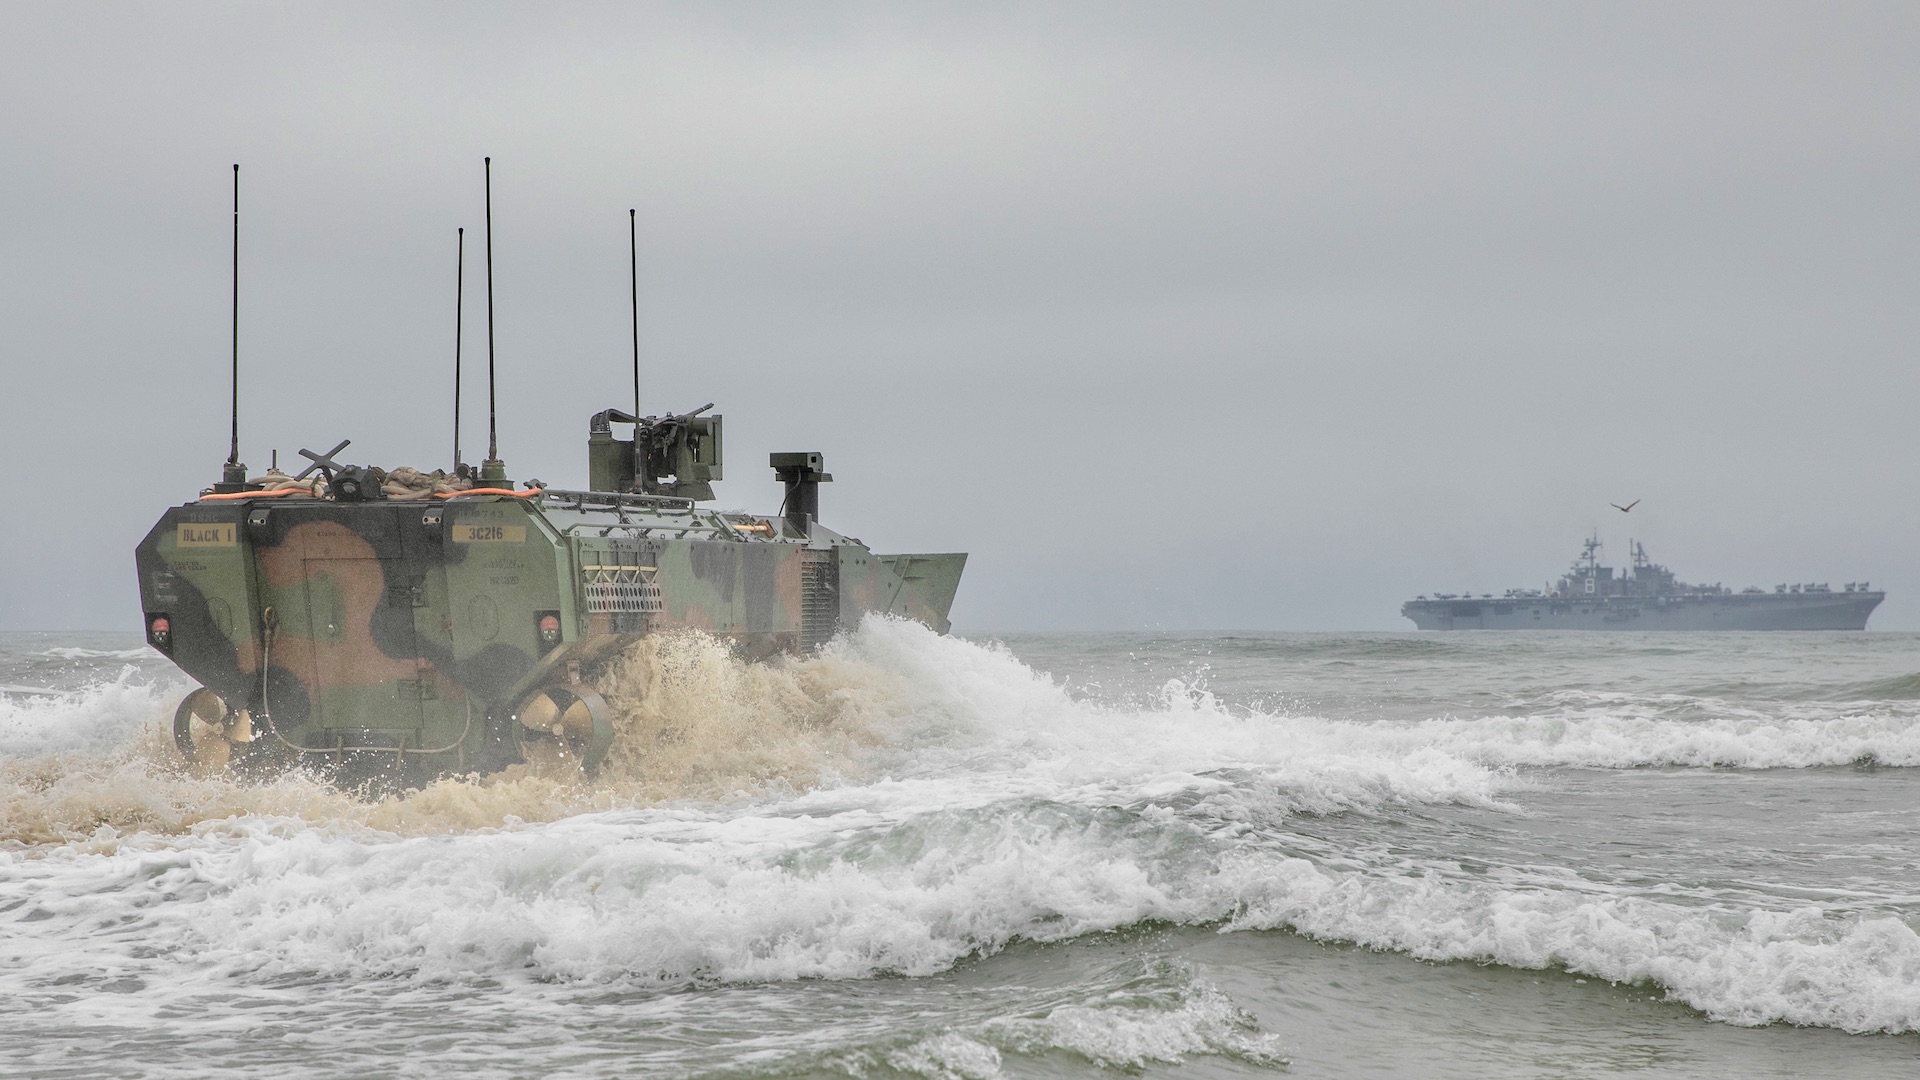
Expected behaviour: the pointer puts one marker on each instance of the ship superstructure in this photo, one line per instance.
(1646, 596)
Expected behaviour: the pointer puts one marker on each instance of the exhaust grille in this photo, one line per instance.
(819, 598)
(622, 590)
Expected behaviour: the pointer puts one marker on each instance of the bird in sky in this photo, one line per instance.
(1627, 508)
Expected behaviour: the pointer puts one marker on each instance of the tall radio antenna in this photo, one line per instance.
(493, 468)
(633, 280)
(459, 297)
(233, 476)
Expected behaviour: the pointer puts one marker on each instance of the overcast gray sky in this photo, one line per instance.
(1176, 315)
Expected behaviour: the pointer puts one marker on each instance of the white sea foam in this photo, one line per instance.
(1038, 729)
(1807, 966)
(1000, 809)
(1114, 1034)
(68, 652)
(673, 898)
(947, 1056)
(1129, 1035)
(1627, 741)
(101, 716)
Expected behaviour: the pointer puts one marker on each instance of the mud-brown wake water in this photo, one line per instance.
(692, 722)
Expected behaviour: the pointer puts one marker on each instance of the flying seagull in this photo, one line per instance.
(1627, 508)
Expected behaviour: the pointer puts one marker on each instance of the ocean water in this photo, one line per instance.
(1226, 855)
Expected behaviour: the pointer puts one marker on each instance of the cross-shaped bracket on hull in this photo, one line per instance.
(323, 462)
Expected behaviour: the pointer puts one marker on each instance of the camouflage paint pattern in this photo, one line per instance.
(349, 629)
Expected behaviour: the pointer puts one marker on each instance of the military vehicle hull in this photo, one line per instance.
(407, 624)
(1736, 611)
(447, 635)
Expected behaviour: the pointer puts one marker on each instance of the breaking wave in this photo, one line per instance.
(1617, 739)
(894, 805)
(99, 719)
(70, 652)
(694, 723)
(1804, 966)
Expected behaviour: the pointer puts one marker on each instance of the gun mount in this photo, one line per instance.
(679, 454)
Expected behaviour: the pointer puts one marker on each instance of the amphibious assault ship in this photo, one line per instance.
(393, 626)
(1646, 596)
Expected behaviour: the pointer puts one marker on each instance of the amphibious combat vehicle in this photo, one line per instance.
(393, 627)
(345, 620)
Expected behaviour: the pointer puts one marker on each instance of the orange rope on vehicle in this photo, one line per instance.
(303, 490)
(527, 494)
(256, 494)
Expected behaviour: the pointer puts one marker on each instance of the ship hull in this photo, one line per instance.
(1737, 611)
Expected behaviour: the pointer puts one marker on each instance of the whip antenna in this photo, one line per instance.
(233, 476)
(459, 295)
(633, 279)
(493, 468)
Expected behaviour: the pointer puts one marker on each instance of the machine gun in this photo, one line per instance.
(678, 454)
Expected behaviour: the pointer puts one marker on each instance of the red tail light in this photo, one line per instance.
(549, 625)
(160, 633)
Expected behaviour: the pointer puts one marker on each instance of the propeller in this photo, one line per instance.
(205, 730)
(576, 718)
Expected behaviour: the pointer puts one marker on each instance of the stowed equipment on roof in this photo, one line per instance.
(351, 483)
